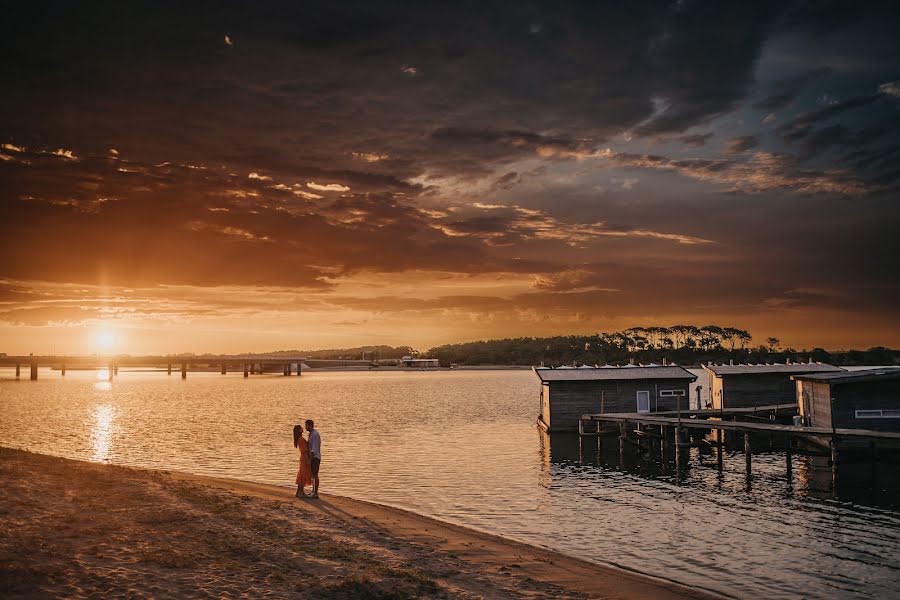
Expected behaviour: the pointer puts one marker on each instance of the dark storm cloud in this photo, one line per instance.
(309, 86)
(139, 147)
(695, 140)
(786, 90)
(801, 126)
(741, 144)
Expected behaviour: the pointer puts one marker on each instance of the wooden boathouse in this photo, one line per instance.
(567, 393)
(751, 385)
(868, 399)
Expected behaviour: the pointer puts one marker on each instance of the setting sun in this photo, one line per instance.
(105, 340)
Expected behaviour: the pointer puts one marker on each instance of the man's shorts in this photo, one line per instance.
(314, 465)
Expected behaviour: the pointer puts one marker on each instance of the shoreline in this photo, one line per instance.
(376, 544)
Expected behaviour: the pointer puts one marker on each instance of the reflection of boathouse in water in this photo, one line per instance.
(567, 393)
(867, 399)
(748, 385)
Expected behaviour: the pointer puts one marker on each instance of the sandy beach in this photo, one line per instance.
(80, 529)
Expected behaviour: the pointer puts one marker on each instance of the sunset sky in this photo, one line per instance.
(228, 177)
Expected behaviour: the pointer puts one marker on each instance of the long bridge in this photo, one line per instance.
(251, 365)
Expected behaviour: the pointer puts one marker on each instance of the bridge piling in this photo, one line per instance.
(18, 369)
(34, 371)
(184, 370)
(246, 370)
(223, 368)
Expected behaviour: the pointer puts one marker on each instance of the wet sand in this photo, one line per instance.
(80, 529)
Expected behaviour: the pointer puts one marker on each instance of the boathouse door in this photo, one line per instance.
(643, 401)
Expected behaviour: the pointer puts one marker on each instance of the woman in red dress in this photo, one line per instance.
(304, 473)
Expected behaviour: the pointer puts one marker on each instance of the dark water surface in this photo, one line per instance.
(462, 446)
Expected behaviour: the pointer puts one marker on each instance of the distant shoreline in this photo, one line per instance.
(216, 369)
(76, 527)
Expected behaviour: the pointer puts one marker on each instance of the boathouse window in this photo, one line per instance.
(885, 413)
(671, 392)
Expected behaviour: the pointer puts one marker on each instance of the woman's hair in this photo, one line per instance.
(298, 429)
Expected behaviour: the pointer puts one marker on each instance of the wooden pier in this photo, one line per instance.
(249, 365)
(643, 429)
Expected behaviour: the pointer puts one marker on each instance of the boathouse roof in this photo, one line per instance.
(611, 373)
(852, 376)
(768, 369)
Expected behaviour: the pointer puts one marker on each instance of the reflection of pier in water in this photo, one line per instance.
(702, 463)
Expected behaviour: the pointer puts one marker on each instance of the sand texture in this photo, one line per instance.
(84, 530)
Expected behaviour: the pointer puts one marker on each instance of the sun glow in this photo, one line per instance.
(105, 341)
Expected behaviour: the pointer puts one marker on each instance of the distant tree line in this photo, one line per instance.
(681, 344)
(360, 353)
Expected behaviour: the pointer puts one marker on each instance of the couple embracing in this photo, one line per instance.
(310, 458)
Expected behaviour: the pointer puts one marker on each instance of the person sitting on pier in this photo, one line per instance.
(304, 472)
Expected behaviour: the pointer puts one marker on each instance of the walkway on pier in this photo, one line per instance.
(656, 419)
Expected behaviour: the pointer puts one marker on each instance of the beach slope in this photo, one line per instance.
(79, 529)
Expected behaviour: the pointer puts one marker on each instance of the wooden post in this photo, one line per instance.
(110, 371)
(18, 369)
(63, 369)
(678, 450)
(580, 437)
(622, 443)
(184, 370)
(789, 458)
(116, 369)
(246, 370)
(599, 430)
(223, 368)
(170, 368)
(834, 462)
(34, 371)
(720, 448)
(663, 441)
(298, 368)
(748, 457)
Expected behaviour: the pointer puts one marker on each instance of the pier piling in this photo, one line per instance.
(748, 457)
(223, 369)
(18, 369)
(184, 370)
(788, 458)
(170, 368)
(62, 369)
(246, 370)
(834, 461)
(34, 369)
(720, 448)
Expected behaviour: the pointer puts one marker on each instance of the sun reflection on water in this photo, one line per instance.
(102, 430)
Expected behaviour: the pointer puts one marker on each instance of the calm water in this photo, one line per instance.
(462, 446)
